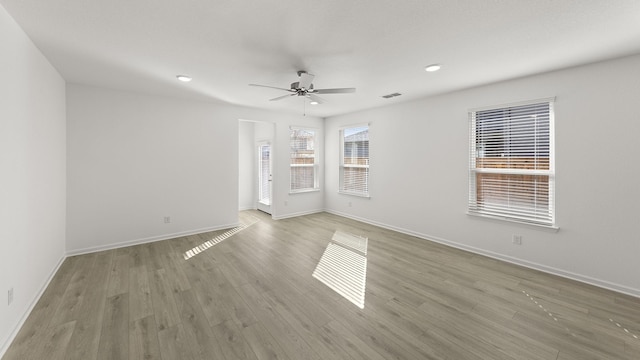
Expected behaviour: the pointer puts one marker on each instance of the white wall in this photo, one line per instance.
(264, 131)
(246, 161)
(419, 182)
(134, 159)
(32, 174)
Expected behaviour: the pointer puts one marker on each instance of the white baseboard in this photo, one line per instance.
(149, 239)
(528, 264)
(4, 346)
(291, 215)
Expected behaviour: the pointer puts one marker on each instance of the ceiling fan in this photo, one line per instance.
(304, 87)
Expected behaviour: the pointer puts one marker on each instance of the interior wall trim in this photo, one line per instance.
(4, 345)
(150, 239)
(292, 215)
(513, 260)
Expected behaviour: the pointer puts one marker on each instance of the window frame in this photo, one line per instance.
(343, 166)
(315, 165)
(509, 213)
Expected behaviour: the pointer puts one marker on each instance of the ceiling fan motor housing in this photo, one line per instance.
(296, 86)
(304, 87)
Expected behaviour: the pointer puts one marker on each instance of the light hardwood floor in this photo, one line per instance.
(253, 296)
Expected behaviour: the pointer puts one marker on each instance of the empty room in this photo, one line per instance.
(227, 180)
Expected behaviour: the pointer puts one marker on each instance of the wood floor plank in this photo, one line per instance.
(199, 335)
(70, 304)
(55, 342)
(155, 251)
(140, 301)
(352, 345)
(252, 295)
(119, 277)
(143, 339)
(306, 329)
(114, 339)
(255, 270)
(238, 311)
(38, 321)
(174, 344)
(85, 339)
(163, 301)
(173, 261)
(263, 343)
(288, 338)
(208, 295)
(232, 342)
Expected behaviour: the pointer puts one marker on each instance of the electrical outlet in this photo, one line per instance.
(517, 239)
(10, 296)
(167, 219)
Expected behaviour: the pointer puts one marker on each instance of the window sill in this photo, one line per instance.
(354, 194)
(549, 228)
(302, 191)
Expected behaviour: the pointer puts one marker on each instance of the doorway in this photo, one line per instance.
(265, 177)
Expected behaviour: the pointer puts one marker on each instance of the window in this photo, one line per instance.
(354, 161)
(511, 167)
(304, 172)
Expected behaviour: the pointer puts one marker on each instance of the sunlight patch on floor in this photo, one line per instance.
(354, 242)
(216, 240)
(343, 267)
(559, 319)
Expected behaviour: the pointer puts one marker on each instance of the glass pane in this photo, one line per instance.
(356, 146)
(513, 191)
(302, 147)
(355, 179)
(302, 177)
(513, 137)
(264, 189)
(302, 159)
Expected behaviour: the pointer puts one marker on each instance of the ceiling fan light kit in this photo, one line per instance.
(432, 67)
(304, 87)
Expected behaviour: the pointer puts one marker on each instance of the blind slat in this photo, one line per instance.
(303, 174)
(354, 160)
(511, 171)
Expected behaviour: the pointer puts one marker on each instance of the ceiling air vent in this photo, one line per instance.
(391, 95)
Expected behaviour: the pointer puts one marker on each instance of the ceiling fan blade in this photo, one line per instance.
(282, 97)
(271, 87)
(305, 80)
(315, 98)
(334, 91)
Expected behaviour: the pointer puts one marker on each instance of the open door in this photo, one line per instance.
(264, 177)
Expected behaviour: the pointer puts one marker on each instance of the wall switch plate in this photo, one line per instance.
(10, 296)
(167, 219)
(517, 239)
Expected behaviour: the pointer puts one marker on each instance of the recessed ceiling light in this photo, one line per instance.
(313, 102)
(432, 67)
(184, 78)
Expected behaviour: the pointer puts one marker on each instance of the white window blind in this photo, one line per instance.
(303, 160)
(354, 161)
(511, 172)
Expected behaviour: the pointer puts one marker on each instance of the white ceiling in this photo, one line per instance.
(376, 46)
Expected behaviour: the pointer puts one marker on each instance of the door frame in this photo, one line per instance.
(260, 205)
